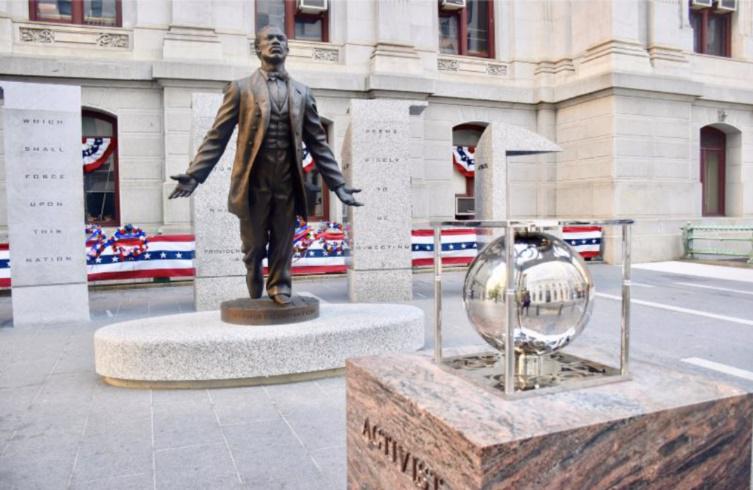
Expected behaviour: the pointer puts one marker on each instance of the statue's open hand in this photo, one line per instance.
(186, 185)
(345, 194)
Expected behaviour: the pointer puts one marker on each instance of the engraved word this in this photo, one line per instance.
(423, 476)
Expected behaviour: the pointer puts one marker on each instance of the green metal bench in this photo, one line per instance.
(693, 234)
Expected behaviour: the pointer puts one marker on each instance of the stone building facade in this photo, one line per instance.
(650, 100)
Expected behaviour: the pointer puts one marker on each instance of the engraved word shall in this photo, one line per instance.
(44, 149)
(423, 476)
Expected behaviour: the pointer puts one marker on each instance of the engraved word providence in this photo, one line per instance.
(423, 476)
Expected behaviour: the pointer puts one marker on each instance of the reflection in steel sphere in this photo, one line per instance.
(553, 293)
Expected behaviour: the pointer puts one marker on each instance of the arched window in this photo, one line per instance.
(100, 142)
(713, 143)
(464, 140)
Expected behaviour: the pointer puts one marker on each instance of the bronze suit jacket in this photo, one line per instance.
(246, 104)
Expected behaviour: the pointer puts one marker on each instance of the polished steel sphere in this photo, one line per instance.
(553, 293)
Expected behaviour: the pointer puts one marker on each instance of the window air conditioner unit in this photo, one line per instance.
(452, 4)
(312, 6)
(724, 6)
(701, 4)
(465, 206)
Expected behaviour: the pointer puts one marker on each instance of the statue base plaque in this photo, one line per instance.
(264, 311)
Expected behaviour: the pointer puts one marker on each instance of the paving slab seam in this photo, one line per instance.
(224, 438)
(295, 434)
(80, 443)
(36, 395)
(187, 446)
(119, 477)
(154, 452)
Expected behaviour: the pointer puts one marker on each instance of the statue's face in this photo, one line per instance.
(272, 45)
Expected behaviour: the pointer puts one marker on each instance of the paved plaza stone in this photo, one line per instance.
(62, 427)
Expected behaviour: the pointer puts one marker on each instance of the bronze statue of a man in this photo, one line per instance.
(274, 115)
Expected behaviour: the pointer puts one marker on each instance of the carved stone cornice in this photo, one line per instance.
(73, 36)
(470, 65)
(34, 35)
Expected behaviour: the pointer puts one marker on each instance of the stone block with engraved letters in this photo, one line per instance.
(218, 259)
(45, 198)
(376, 160)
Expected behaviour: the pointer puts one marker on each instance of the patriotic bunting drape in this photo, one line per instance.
(95, 152)
(308, 160)
(586, 240)
(464, 159)
(128, 254)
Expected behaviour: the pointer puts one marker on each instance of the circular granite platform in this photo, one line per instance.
(198, 350)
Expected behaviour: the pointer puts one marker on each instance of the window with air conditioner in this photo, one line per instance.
(712, 26)
(468, 30)
(306, 20)
(83, 12)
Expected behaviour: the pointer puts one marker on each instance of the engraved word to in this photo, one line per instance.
(423, 476)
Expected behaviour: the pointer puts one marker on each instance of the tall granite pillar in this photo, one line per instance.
(220, 273)
(45, 202)
(492, 167)
(375, 159)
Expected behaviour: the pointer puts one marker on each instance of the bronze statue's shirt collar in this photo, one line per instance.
(280, 75)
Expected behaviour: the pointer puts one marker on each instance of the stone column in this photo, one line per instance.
(44, 185)
(220, 273)
(192, 32)
(375, 159)
(395, 50)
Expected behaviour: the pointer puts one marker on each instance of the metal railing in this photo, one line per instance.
(510, 227)
(696, 240)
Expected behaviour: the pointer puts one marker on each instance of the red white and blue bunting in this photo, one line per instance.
(321, 248)
(464, 159)
(95, 152)
(308, 160)
(325, 239)
(586, 240)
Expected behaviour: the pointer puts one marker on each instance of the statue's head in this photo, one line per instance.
(271, 45)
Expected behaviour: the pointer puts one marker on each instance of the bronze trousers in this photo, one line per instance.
(270, 228)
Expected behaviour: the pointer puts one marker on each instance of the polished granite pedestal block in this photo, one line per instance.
(412, 424)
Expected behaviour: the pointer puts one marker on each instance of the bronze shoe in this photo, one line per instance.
(281, 299)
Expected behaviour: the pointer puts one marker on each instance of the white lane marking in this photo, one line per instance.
(661, 306)
(742, 274)
(641, 285)
(740, 291)
(722, 368)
